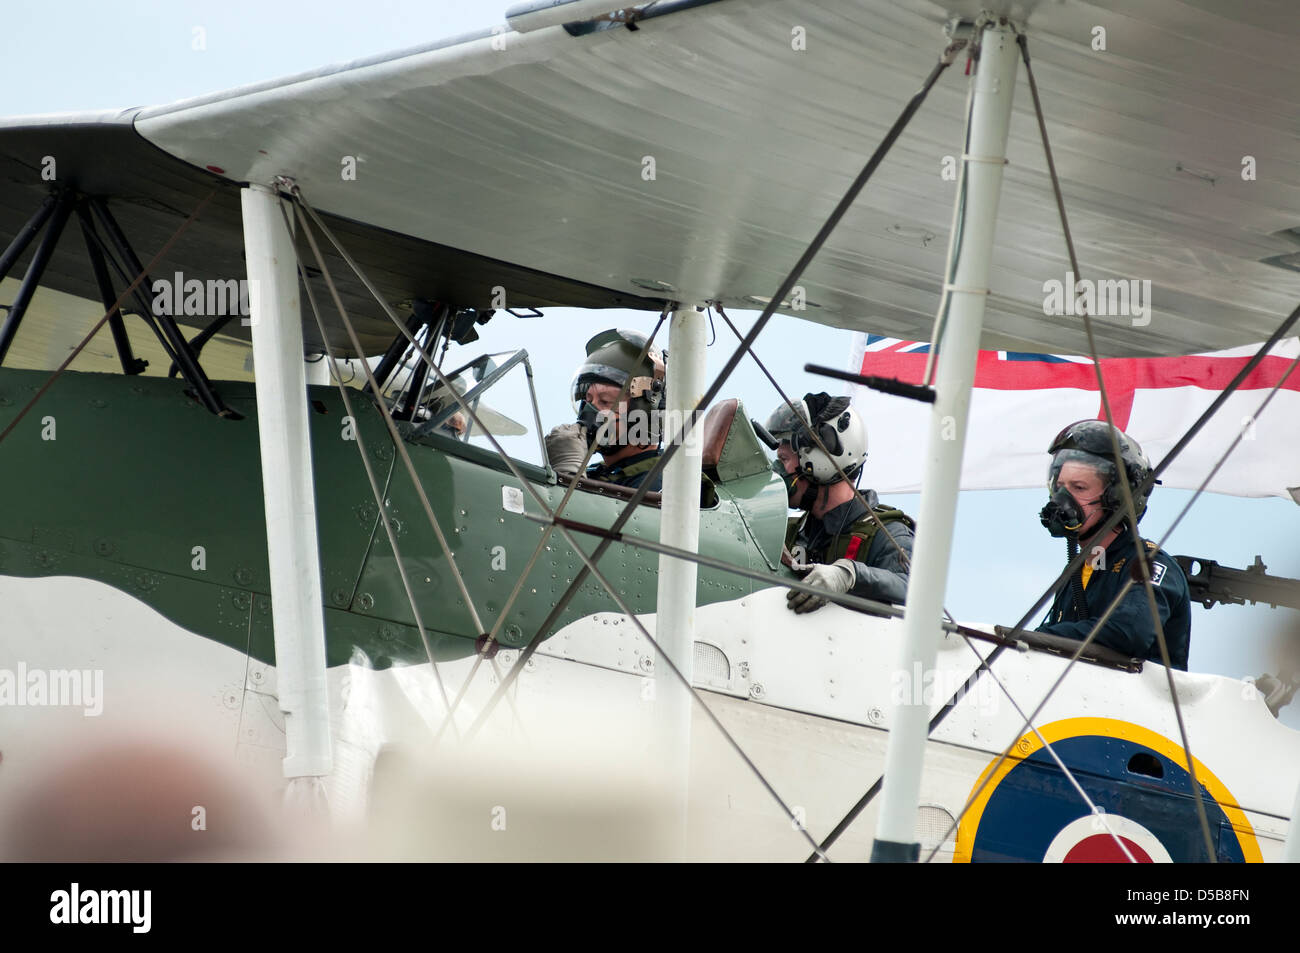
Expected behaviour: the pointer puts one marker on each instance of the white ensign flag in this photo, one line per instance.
(1021, 401)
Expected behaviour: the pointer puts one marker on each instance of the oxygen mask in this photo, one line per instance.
(1062, 516)
(798, 500)
(588, 420)
(597, 425)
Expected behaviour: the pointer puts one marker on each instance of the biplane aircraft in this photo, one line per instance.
(313, 578)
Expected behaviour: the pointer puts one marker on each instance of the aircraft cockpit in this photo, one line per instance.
(500, 390)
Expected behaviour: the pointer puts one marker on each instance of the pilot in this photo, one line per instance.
(627, 433)
(836, 541)
(1082, 481)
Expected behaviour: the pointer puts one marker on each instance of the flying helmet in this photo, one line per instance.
(1088, 442)
(616, 357)
(837, 424)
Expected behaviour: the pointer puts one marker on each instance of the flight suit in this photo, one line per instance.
(849, 532)
(1129, 629)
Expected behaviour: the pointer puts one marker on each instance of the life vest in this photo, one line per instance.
(855, 542)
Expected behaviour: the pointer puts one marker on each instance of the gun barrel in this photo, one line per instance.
(1212, 584)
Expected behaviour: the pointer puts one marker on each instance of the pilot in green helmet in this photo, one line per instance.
(618, 396)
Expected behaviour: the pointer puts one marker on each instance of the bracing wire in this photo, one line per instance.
(946, 59)
(375, 488)
(589, 561)
(1122, 471)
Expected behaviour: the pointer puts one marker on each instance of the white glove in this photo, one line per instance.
(566, 448)
(837, 577)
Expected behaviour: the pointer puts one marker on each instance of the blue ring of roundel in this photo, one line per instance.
(1035, 800)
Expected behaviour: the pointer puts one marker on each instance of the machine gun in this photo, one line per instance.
(1212, 584)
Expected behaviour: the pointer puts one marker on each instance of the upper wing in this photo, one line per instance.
(151, 192)
(694, 157)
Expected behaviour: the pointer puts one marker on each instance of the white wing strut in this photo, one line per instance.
(680, 527)
(958, 345)
(292, 549)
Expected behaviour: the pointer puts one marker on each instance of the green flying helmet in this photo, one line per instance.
(620, 357)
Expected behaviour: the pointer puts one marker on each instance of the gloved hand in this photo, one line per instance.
(837, 577)
(566, 448)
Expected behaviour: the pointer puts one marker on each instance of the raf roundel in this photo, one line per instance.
(1027, 809)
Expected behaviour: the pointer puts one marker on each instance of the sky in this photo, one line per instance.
(75, 56)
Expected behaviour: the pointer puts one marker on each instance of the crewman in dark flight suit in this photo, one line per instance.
(836, 541)
(1083, 482)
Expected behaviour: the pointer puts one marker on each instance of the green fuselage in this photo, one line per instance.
(128, 481)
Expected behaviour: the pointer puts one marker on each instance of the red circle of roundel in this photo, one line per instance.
(1102, 849)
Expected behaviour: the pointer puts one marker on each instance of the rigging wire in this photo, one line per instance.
(485, 650)
(954, 251)
(392, 426)
(396, 390)
(392, 540)
(841, 208)
(569, 593)
(365, 458)
(1122, 471)
(589, 561)
(867, 606)
(519, 720)
(546, 535)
